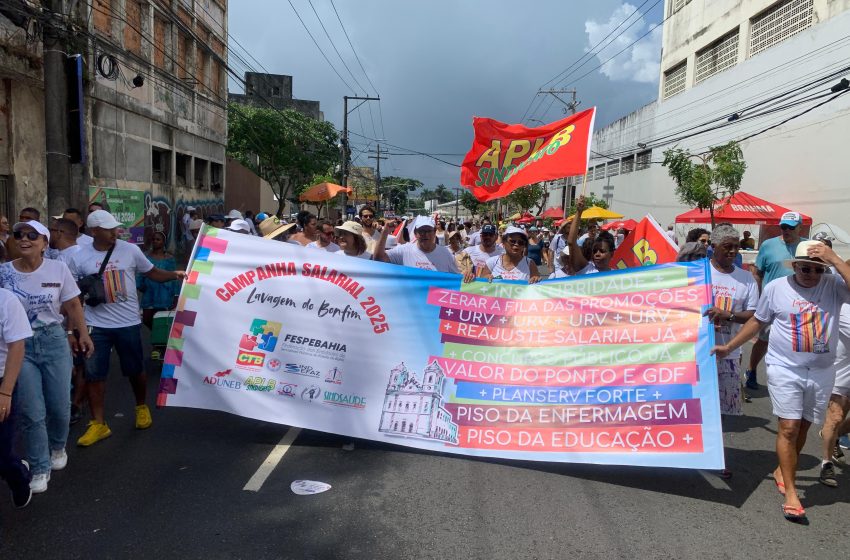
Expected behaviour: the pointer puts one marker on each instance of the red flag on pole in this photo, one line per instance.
(505, 157)
(648, 244)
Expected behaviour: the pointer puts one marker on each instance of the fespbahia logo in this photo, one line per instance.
(267, 333)
(334, 376)
(250, 360)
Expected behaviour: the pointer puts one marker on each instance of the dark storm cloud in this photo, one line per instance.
(438, 64)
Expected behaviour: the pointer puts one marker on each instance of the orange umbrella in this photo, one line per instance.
(323, 192)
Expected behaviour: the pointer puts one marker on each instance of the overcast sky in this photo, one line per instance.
(438, 63)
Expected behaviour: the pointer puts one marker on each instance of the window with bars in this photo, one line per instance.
(628, 165)
(643, 160)
(590, 175)
(723, 54)
(674, 80)
(676, 5)
(613, 168)
(6, 197)
(599, 171)
(779, 22)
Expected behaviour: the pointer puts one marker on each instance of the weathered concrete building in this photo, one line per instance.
(275, 90)
(155, 93)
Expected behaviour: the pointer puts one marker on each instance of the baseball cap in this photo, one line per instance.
(190, 209)
(513, 229)
(239, 225)
(488, 228)
(102, 219)
(422, 221)
(40, 228)
(792, 219)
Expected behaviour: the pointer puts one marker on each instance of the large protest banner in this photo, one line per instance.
(504, 157)
(607, 368)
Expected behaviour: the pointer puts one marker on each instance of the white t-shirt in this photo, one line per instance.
(558, 273)
(42, 291)
(119, 279)
(842, 353)
(479, 257)
(589, 268)
(364, 255)
(330, 248)
(84, 239)
(522, 271)
(474, 238)
(14, 325)
(187, 223)
(66, 254)
(409, 254)
(557, 244)
(805, 321)
(733, 292)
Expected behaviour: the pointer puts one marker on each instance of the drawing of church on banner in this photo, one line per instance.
(414, 408)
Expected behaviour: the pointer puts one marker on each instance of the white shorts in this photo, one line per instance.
(842, 369)
(799, 392)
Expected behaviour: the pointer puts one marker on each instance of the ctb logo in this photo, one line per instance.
(250, 359)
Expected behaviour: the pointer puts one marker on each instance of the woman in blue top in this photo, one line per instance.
(535, 247)
(157, 296)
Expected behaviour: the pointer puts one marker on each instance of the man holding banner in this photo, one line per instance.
(803, 311)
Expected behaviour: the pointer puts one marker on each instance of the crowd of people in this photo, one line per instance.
(74, 291)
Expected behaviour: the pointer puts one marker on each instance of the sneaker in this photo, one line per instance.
(22, 496)
(827, 475)
(94, 433)
(58, 459)
(837, 454)
(844, 442)
(38, 484)
(751, 380)
(76, 414)
(143, 417)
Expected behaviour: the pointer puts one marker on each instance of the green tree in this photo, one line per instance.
(396, 190)
(285, 148)
(525, 198)
(443, 194)
(468, 201)
(703, 179)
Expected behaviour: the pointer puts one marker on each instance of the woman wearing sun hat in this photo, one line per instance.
(276, 229)
(512, 264)
(351, 242)
(803, 311)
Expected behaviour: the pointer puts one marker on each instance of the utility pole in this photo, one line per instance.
(378, 157)
(568, 105)
(346, 151)
(57, 147)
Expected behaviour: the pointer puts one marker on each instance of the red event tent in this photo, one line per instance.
(740, 208)
(553, 213)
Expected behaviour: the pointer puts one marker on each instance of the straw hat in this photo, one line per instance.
(272, 227)
(801, 255)
(351, 227)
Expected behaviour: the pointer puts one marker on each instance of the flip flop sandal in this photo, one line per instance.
(779, 485)
(794, 514)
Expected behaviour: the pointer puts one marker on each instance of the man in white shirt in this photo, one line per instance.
(76, 216)
(326, 236)
(803, 310)
(189, 216)
(14, 330)
(63, 239)
(486, 248)
(115, 322)
(424, 253)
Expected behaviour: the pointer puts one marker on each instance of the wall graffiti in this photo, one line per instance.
(163, 216)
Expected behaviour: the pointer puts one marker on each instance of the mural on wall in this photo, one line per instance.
(163, 216)
(128, 207)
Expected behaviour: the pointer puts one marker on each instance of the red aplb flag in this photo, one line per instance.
(648, 244)
(505, 157)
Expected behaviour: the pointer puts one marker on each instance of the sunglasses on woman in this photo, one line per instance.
(31, 235)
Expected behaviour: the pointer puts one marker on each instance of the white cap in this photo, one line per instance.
(239, 225)
(190, 209)
(423, 221)
(234, 215)
(513, 229)
(102, 219)
(37, 226)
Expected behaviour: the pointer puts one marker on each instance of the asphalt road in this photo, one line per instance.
(176, 491)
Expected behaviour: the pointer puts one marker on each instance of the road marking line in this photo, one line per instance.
(714, 480)
(256, 481)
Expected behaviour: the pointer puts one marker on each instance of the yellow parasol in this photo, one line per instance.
(598, 213)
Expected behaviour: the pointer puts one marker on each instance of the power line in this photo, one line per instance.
(328, 35)
(354, 51)
(304, 25)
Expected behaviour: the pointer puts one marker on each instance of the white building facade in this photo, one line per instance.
(738, 70)
(414, 408)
